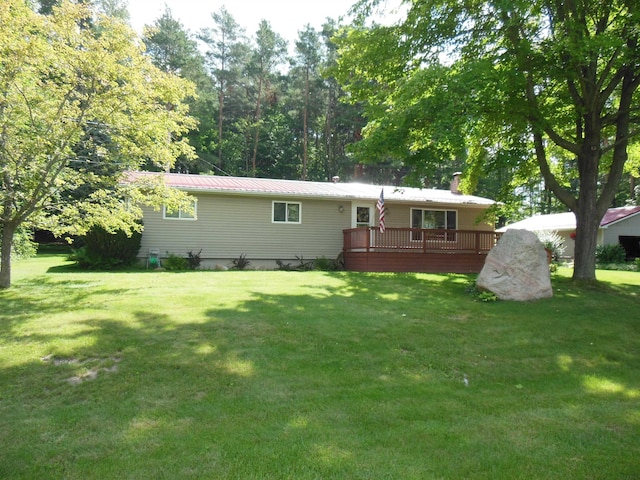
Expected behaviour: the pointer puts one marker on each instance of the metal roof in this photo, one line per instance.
(614, 215)
(297, 188)
(567, 221)
(554, 221)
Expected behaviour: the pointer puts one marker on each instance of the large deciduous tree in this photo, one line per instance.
(549, 83)
(74, 81)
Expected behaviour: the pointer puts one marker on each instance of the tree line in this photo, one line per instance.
(261, 111)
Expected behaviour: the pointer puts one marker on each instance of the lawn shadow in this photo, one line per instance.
(361, 376)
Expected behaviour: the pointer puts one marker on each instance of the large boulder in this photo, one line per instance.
(517, 268)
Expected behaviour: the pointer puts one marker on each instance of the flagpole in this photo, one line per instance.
(380, 207)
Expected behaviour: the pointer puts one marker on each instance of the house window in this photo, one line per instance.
(434, 219)
(182, 213)
(286, 212)
(363, 216)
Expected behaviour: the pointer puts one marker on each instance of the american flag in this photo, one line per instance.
(380, 207)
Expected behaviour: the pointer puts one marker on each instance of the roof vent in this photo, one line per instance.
(335, 179)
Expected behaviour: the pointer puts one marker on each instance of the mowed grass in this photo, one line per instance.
(284, 375)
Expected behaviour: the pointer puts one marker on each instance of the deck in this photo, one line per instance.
(416, 250)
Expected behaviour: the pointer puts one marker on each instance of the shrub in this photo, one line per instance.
(103, 250)
(194, 259)
(481, 296)
(284, 266)
(241, 262)
(637, 262)
(552, 242)
(327, 264)
(175, 263)
(606, 254)
(304, 265)
(23, 245)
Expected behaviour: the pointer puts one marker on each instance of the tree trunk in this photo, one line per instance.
(588, 211)
(220, 121)
(305, 137)
(587, 225)
(256, 139)
(8, 231)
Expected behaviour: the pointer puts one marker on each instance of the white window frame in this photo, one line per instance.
(354, 215)
(448, 237)
(286, 213)
(182, 214)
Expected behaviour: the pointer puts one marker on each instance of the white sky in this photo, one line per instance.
(286, 17)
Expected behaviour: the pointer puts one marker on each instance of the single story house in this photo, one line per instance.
(267, 220)
(619, 225)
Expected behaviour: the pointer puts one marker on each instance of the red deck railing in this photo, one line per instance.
(415, 240)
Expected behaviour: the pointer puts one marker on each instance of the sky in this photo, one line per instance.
(286, 17)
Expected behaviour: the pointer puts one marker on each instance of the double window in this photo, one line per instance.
(189, 213)
(286, 212)
(434, 220)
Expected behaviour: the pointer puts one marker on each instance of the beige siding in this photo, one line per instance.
(569, 243)
(627, 227)
(399, 216)
(230, 225)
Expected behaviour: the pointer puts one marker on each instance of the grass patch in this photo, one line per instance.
(314, 375)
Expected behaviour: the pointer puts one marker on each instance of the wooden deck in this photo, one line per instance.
(416, 250)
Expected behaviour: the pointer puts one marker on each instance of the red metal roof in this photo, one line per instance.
(616, 214)
(267, 186)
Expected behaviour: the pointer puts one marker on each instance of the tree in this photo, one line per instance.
(59, 81)
(308, 59)
(173, 50)
(549, 83)
(226, 58)
(111, 8)
(269, 51)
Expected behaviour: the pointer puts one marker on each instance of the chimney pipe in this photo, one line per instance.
(455, 183)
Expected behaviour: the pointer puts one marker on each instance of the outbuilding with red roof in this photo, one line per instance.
(619, 225)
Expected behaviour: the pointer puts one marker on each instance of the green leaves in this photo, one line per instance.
(70, 85)
(513, 83)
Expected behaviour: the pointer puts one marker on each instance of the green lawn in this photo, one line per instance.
(286, 375)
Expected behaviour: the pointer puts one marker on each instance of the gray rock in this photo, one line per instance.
(517, 268)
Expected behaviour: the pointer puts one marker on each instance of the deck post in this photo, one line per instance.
(369, 234)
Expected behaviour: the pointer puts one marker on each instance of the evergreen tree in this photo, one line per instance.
(268, 53)
(173, 49)
(226, 58)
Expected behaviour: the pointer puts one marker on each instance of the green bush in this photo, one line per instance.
(194, 259)
(175, 263)
(241, 262)
(102, 250)
(606, 254)
(23, 245)
(326, 264)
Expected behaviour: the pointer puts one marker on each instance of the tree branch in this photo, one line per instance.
(550, 180)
